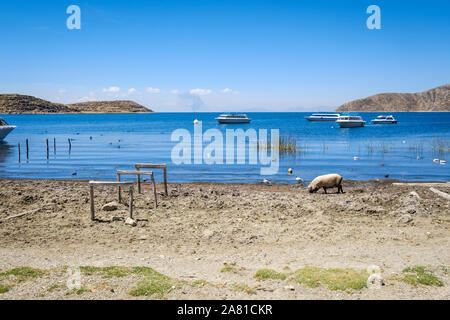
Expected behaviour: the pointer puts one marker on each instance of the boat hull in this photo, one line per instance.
(321, 119)
(5, 130)
(234, 121)
(384, 121)
(348, 124)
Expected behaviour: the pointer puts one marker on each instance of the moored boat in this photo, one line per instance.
(5, 129)
(233, 118)
(323, 117)
(350, 121)
(385, 120)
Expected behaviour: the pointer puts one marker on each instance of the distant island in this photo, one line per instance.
(434, 100)
(18, 104)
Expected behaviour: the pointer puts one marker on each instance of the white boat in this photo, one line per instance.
(233, 118)
(323, 117)
(350, 121)
(384, 120)
(5, 129)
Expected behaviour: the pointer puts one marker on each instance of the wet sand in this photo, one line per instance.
(201, 227)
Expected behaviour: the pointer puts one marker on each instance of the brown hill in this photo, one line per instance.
(17, 103)
(434, 100)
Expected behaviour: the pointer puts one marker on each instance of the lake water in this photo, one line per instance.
(104, 143)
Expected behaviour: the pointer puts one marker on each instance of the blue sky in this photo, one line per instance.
(223, 55)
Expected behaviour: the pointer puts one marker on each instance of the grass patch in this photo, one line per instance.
(335, 279)
(230, 267)
(242, 287)
(4, 288)
(17, 275)
(107, 272)
(265, 274)
(419, 275)
(78, 291)
(22, 273)
(154, 283)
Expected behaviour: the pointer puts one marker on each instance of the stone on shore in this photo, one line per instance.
(110, 206)
(130, 222)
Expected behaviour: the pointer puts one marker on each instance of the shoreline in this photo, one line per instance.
(221, 235)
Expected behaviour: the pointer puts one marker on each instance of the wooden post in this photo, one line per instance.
(139, 183)
(19, 150)
(70, 144)
(165, 181)
(47, 147)
(91, 192)
(27, 149)
(54, 145)
(154, 191)
(120, 189)
(131, 201)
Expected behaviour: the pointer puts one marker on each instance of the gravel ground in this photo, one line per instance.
(201, 228)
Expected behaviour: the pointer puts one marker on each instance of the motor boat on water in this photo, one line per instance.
(323, 117)
(350, 121)
(233, 118)
(5, 129)
(385, 120)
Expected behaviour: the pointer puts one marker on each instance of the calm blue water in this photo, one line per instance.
(120, 140)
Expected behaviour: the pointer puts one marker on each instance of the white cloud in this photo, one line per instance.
(111, 89)
(200, 92)
(131, 90)
(228, 90)
(153, 90)
(174, 91)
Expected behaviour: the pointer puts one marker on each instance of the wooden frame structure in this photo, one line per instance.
(139, 166)
(92, 184)
(137, 174)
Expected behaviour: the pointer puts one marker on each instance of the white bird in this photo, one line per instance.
(299, 180)
(442, 162)
(355, 158)
(195, 121)
(435, 160)
(267, 182)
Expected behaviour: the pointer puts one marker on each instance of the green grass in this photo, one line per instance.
(419, 275)
(17, 275)
(334, 279)
(154, 283)
(242, 287)
(230, 267)
(78, 291)
(4, 288)
(265, 274)
(22, 273)
(107, 272)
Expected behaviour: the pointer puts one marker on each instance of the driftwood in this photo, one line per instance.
(22, 214)
(422, 184)
(440, 193)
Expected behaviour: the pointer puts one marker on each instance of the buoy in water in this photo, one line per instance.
(195, 121)
(442, 162)
(435, 160)
(290, 171)
(355, 158)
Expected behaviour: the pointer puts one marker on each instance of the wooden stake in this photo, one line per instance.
(70, 144)
(27, 149)
(19, 150)
(91, 193)
(54, 145)
(131, 201)
(47, 148)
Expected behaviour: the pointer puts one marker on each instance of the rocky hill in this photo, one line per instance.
(434, 100)
(17, 104)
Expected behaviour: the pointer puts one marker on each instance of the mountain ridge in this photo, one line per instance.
(433, 100)
(25, 104)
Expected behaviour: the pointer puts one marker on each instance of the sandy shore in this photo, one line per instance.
(222, 234)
